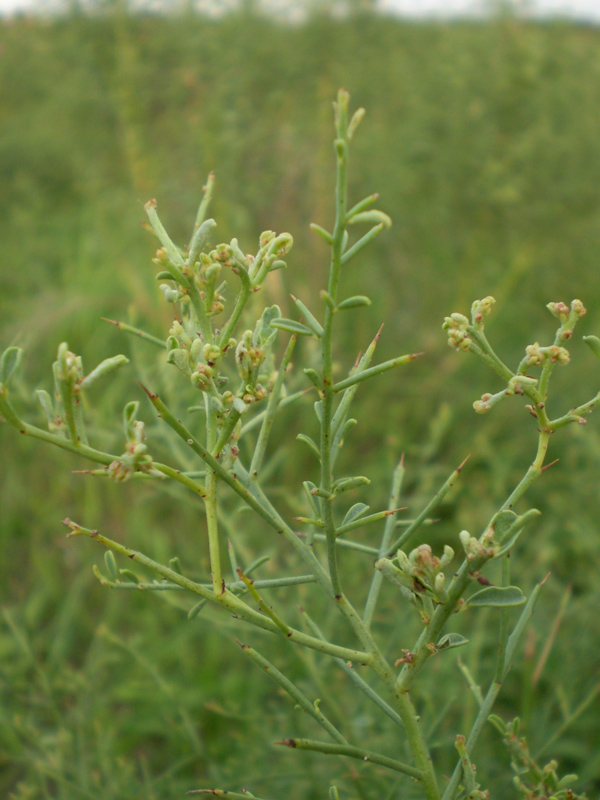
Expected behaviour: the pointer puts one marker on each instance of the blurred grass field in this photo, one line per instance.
(483, 142)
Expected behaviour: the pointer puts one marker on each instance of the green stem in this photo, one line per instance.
(422, 517)
(388, 531)
(377, 370)
(534, 471)
(299, 697)
(492, 693)
(148, 337)
(272, 405)
(353, 752)
(271, 517)
(226, 600)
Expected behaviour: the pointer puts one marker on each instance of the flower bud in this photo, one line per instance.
(559, 310)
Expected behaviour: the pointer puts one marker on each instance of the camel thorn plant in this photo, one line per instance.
(241, 386)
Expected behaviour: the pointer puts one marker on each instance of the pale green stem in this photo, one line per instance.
(422, 517)
(88, 452)
(203, 207)
(356, 678)
(299, 697)
(327, 348)
(534, 471)
(272, 518)
(240, 304)
(259, 418)
(272, 405)
(148, 337)
(354, 752)
(370, 373)
(388, 532)
(492, 693)
(226, 600)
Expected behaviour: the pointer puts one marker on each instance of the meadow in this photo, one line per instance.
(482, 140)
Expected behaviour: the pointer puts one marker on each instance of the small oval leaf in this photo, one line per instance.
(451, 640)
(130, 576)
(9, 364)
(301, 437)
(291, 326)
(354, 512)
(355, 302)
(111, 565)
(593, 342)
(497, 597)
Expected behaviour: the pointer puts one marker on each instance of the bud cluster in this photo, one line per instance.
(419, 576)
(481, 309)
(457, 326)
(135, 458)
(536, 356)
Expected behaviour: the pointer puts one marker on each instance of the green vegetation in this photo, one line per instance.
(482, 143)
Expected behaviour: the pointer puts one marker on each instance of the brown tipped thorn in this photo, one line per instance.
(543, 581)
(395, 511)
(551, 464)
(112, 321)
(149, 393)
(416, 355)
(458, 469)
(287, 742)
(402, 460)
(378, 334)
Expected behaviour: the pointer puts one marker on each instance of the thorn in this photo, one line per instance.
(395, 511)
(542, 582)
(416, 355)
(402, 460)
(149, 393)
(357, 362)
(551, 464)
(376, 339)
(287, 742)
(112, 321)
(458, 469)
(237, 641)
(293, 298)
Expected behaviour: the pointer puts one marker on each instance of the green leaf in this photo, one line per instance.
(47, 406)
(593, 342)
(301, 437)
(313, 377)
(502, 523)
(129, 576)
(195, 610)
(175, 565)
(309, 488)
(354, 512)
(354, 302)
(104, 368)
(111, 565)
(318, 406)
(312, 322)
(371, 216)
(321, 232)
(346, 484)
(291, 326)
(451, 640)
(497, 597)
(9, 364)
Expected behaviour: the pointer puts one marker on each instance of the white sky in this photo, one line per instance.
(579, 9)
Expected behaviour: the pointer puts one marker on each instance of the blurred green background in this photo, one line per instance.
(483, 142)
